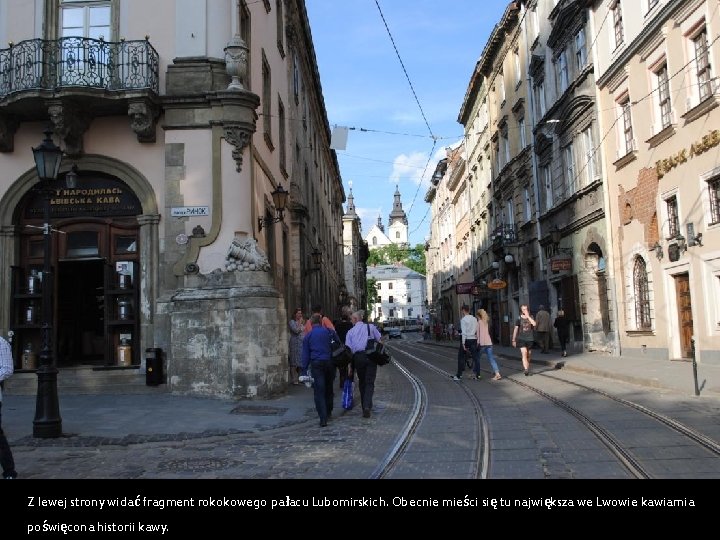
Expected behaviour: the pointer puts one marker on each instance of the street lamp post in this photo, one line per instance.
(47, 422)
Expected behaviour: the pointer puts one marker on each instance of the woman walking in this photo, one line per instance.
(524, 336)
(561, 325)
(485, 342)
(297, 331)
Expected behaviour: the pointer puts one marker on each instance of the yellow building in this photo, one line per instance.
(658, 88)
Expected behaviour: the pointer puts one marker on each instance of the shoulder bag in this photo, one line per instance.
(340, 353)
(376, 351)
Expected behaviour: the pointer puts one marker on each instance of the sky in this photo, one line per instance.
(397, 76)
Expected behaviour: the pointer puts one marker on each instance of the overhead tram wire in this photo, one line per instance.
(407, 76)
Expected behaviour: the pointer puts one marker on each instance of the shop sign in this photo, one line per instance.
(464, 288)
(94, 196)
(700, 146)
(497, 284)
(561, 264)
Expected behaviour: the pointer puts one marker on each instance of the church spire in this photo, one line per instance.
(351, 204)
(398, 214)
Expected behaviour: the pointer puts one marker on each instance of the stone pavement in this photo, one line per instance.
(160, 416)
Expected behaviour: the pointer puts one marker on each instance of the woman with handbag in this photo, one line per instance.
(357, 340)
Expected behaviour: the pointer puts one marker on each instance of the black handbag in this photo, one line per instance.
(375, 350)
(340, 353)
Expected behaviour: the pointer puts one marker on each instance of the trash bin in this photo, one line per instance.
(153, 367)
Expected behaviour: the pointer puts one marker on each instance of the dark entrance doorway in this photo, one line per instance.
(80, 313)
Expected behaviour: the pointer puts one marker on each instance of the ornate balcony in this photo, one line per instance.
(72, 79)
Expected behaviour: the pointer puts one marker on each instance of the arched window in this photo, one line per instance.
(374, 240)
(642, 295)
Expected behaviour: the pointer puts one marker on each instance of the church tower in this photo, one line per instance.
(398, 226)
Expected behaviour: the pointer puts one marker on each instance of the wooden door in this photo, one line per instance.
(685, 319)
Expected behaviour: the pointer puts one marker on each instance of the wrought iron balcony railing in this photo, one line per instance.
(39, 64)
(503, 235)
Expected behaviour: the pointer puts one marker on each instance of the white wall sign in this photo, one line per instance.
(185, 211)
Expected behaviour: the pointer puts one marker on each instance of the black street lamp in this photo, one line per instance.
(47, 423)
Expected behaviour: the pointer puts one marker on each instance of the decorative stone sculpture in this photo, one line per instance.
(236, 58)
(245, 255)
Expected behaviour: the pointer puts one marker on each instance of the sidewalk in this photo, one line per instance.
(676, 376)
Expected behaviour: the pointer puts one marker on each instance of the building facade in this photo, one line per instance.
(401, 295)
(355, 253)
(657, 85)
(182, 129)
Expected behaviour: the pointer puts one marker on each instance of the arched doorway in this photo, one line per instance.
(95, 272)
(595, 304)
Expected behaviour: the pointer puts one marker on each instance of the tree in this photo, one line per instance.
(413, 258)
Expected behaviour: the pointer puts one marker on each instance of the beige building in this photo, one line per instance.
(355, 253)
(657, 80)
(183, 129)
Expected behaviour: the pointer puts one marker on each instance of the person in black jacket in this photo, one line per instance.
(317, 359)
(341, 327)
(561, 324)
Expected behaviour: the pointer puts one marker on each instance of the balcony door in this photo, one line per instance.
(85, 32)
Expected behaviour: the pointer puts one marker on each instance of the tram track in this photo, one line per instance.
(481, 455)
(625, 456)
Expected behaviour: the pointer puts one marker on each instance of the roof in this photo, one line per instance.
(392, 271)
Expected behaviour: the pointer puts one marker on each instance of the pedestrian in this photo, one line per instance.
(524, 336)
(542, 317)
(468, 345)
(342, 327)
(562, 325)
(326, 323)
(6, 370)
(297, 331)
(485, 343)
(317, 358)
(356, 339)
(438, 331)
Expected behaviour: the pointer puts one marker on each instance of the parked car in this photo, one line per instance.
(394, 333)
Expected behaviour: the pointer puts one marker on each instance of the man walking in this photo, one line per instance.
(6, 369)
(468, 345)
(542, 318)
(317, 359)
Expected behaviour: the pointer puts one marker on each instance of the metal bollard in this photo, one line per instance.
(694, 365)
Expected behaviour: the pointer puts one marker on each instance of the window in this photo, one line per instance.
(569, 169)
(521, 129)
(580, 53)
(540, 99)
(501, 89)
(280, 26)
(506, 146)
(391, 313)
(374, 241)
(82, 244)
(296, 80)
(642, 295)
(510, 209)
(563, 79)
(547, 180)
(590, 156)
(714, 192)
(266, 100)
(409, 311)
(397, 235)
(617, 24)
(528, 209)
(391, 300)
(390, 285)
(518, 73)
(85, 19)
(379, 285)
(626, 126)
(702, 64)
(281, 133)
(663, 96)
(673, 218)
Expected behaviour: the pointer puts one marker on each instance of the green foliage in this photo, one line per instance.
(413, 258)
(371, 290)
